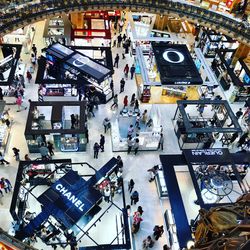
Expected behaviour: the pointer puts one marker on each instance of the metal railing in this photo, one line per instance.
(29, 13)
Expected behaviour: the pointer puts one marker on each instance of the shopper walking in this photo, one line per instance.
(122, 85)
(130, 130)
(125, 101)
(44, 151)
(2, 160)
(107, 193)
(140, 210)
(158, 231)
(134, 197)
(161, 141)
(34, 49)
(114, 40)
(102, 142)
(16, 153)
(116, 63)
(96, 150)
(111, 85)
(28, 76)
(126, 70)
(238, 114)
(131, 185)
(87, 135)
(1, 196)
(132, 71)
(119, 41)
(136, 146)
(21, 80)
(5, 183)
(130, 144)
(166, 247)
(147, 243)
(136, 108)
(115, 102)
(19, 102)
(132, 101)
(106, 124)
(50, 147)
(73, 121)
(91, 109)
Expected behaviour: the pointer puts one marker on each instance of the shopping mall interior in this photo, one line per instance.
(91, 90)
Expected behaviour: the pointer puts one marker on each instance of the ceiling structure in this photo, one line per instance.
(32, 12)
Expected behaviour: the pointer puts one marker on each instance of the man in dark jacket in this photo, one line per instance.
(102, 142)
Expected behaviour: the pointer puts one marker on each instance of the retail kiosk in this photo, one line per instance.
(68, 206)
(66, 65)
(222, 179)
(52, 121)
(148, 133)
(195, 129)
(57, 29)
(167, 75)
(237, 75)
(209, 41)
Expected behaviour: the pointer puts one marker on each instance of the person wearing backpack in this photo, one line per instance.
(134, 197)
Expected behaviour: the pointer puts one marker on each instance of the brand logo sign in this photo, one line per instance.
(177, 58)
(79, 62)
(207, 152)
(72, 198)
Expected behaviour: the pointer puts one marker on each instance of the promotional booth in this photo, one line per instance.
(197, 124)
(66, 65)
(215, 178)
(57, 29)
(167, 75)
(69, 205)
(52, 121)
(209, 41)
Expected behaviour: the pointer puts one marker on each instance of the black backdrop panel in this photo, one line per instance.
(175, 64)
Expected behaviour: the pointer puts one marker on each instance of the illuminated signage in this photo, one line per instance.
(207, 152)
(177, 57)
(81, 61)
(64, 191)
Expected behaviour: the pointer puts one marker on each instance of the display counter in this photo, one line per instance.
(161, 184)
(148, 137)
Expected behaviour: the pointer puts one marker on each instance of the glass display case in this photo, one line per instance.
(4, 135)
(69, 143)
(161, 184)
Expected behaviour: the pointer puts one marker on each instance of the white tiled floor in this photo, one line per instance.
(134, 166)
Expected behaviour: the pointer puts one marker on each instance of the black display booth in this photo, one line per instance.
(9, 63)
(68, 207)
(198, 130)
(67, 71)
(237, 75)
(209, 41)
(223, 176)
(175, 64)
(52, 120)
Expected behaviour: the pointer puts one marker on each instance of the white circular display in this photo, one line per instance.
(179, 54)
(79, 62)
